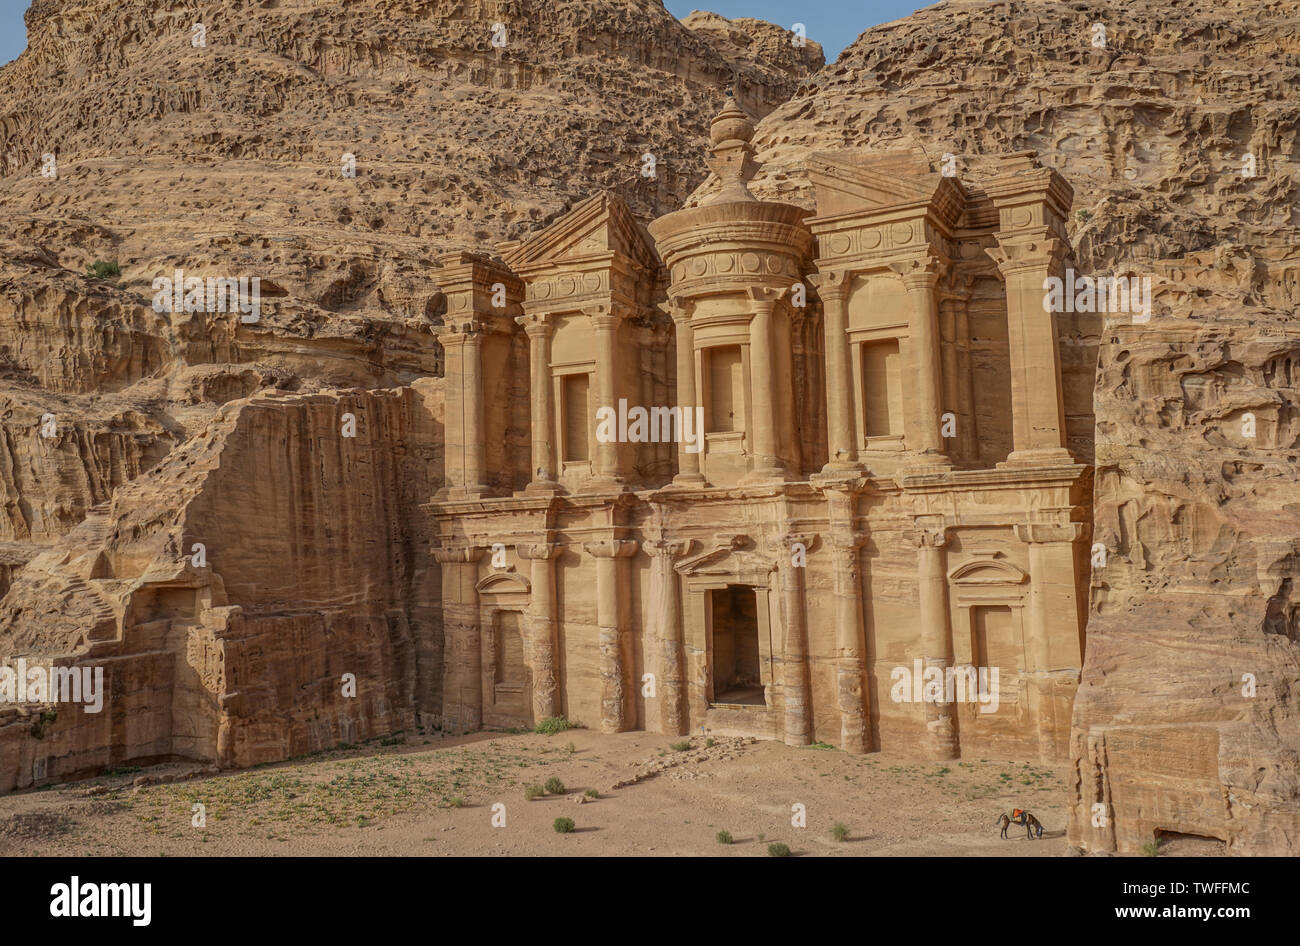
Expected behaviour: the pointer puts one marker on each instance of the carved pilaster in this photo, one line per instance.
(936, 634)
(613, 642)
(666, 596)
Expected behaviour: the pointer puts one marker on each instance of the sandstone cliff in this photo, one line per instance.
(1199, 523)
(127, 435)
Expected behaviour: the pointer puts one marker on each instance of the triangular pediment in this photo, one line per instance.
(599, 225)
(853, 181)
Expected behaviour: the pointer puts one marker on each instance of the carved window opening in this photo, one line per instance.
(994, 641)
(734, 646)
(510, 671)
(882, 389)
(726, 395)
(574, 405)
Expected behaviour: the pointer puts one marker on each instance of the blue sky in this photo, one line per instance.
(833, 23)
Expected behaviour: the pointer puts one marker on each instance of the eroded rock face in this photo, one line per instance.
(1198, 521)
(228, 592)
(128, 434)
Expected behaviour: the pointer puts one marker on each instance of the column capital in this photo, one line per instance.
(668, 548)
(462, 555)
(785, 541)
(1028, 256)
(611, 548)
(457, 333)
(540, 551)
(920, 272)
(831, 283)
(848, 540)
(929, 537)
(536, 324)
(679, 310)
(765, 297)
(606, 315)
(1043, 533)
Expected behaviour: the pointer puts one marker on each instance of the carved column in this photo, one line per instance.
(833, 287)
(1052, 639)
(1037, 394)
(762, 377)
(924, 363)
(796, 690)
(850, 642)
(936, 636)
(951, 379)
(543, 619)
(688, 464)
(612, 647)
(671, 684)
(967, 436)
(605, 321)
(462, 678)
(542, 410)
(465, 466)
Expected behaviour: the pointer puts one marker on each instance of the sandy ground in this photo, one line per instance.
(431, 795)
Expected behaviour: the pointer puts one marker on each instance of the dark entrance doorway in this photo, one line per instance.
(733, 632)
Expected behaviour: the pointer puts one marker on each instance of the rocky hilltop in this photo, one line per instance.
(1196, 578)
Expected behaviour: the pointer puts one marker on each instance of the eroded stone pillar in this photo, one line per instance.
(936, 636)
(850, 641)
(671, 683)
(762, 374)
(605, 321)
(1037, 394)
(1053, 645)
(842, 445)
(612, 650)
(924, 363)
(542, 410)
(463, 367)
(796, 690)
(688, 463)
(543, 622)
(462, 678)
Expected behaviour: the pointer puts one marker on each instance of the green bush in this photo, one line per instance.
(1151, 849)
(553, 724)
(778, 850)
(533, 792)
(591, 793)
(724, 837)
(840, 832)
(103, 270)
(563, 825)
(554, 786)
(456, 801)
(680, 746)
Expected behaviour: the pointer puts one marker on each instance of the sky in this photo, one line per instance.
(833, 23)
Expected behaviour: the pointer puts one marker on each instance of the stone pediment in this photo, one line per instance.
(730, 556)
(848, 182)
(598, 226)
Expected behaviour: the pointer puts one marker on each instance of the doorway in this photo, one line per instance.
(734, 646)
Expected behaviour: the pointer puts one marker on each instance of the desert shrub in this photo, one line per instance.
(553, 724)
(724, 837)
(532, 792)
(563, 825)
(101, 269)
(680, 746)
(778, 850)
(840, 832)
(554, 786)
